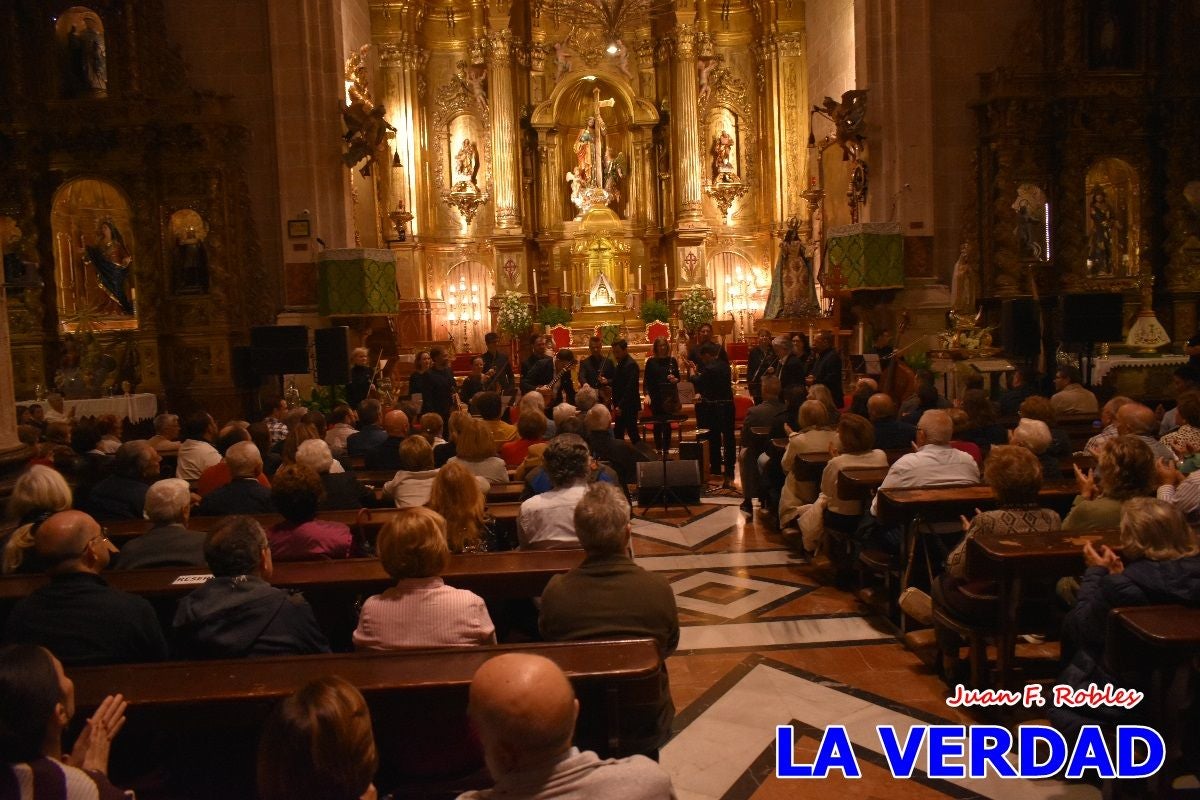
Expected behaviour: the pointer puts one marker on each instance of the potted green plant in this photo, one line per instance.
(696, 309)
(655, 311)
(513, 320)
(609, 333)
(553, 315)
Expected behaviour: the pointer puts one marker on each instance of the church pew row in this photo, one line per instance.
(859, 483)
(498, 492)
(902, 506)
(185, 718)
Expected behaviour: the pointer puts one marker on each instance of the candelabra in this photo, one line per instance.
(744, 292)
(464, 310)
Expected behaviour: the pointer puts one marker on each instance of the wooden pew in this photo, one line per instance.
(1154, 649)
(1012, 559)
(859, 483)
(902, 506)
(199, 721)
(498, 492)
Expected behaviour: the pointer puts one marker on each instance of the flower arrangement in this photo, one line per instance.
(513, 319)
(696, 309)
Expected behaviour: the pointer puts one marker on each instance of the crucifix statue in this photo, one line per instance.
(591, 157)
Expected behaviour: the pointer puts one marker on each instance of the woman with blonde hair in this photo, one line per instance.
(815, 436)
(475, 449)
(1124, 470)
(457, 496)
(319, 743)
(420, 610)
(444, 452)
(825, 397)
(38, 493)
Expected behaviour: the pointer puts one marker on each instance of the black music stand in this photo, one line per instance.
(665, 493)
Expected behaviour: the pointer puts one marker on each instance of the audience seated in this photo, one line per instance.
(1039, 408)
(585, 398)
(1181, 492)
(1185, 379)
(109, 428)
(122, 495)
(218, 474)
(1016, 477)
(524, 710)
(421, 610)
(295, 493)
(487, 405)
(621, 454)
(386, 454)
(196, 452)
(959, 419)
(982, 428)
(413, 481)
(531, 431)
(261, 436)
(475, 449)
(536, 402)
(238, 613)
(168, 543)
(37, 704)
(890, 432)
(244, 494)
(1108, 421)
(1158, 565)
(1069, 396)
(769, 414)
(547, 520)
(1124, 470)
(341, 489)
(340, 427)
(815, 436)
(166, 434)
(608, 596)
(444, 452)
(457, 495)
(1025, 384)
(318, 743)
(370, 435)
(78, 615)
(431, 428)
(854, 447)
(864, 389)
(1135, 419)
(1185, 439)
(823, 396)
(1034, 436)
(37, 494)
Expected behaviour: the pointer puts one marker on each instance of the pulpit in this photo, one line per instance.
(357, 281)
(869, 255)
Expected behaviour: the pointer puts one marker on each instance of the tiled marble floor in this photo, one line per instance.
(765, 642)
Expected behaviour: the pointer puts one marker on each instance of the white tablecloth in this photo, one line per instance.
(1102, 366)
(135, 407)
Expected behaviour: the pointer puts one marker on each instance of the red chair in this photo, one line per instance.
(738, 351)
(741, 404)
(656, 329)
(561, 336)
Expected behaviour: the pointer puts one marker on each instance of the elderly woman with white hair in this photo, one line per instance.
(535, 402)
(38, 493)
(342, 490)
(166, 434)
(169, 543)
(1034, 435)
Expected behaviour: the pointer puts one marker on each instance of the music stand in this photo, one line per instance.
(665, 493)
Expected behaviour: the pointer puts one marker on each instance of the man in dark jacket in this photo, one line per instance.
(538, 369)
(243, 494)
(78, 616)
(122, 495)
(370, 434)
(497, 371)
(890, 432)
(609, 596)
(763, 423)
(169, 543)
(714, 409)
(595, 366)
(623, 456)
(626, 397)
(238, 613)
(827, 368)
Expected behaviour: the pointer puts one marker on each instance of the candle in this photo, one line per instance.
(810, 335)
(535, 291)
(564, 285)
(666, 280)
(639, 277)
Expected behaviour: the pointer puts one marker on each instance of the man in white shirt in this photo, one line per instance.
(196, 452)
(1108, 418)
(935, 463)
(547, 520)
(1069, 396)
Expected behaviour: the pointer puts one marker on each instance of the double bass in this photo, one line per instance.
(898, 379)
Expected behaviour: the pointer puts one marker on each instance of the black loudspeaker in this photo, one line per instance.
(683, 479)
(244, 375)
(333, 357)
(1020, 329)
(280, 349)
(1090, 318)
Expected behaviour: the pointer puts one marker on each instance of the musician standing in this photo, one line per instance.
(790, 366)
(662, 374)
(538, 369)
(440, 386)
(626, 398)
(497, 369)
(714, 410)
(360, 377)
(592, 368)
(704, 335)
(761, 359)
(473, 383)
(562, 389)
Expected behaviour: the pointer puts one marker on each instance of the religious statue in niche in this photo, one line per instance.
(1030, 208)
(962, 285)
(1103, 257)
(597, 172)
(189, 261)
(615, 169)
(366, 125)
(87, 58)
(723, 170)
(111, 261)
(793, 292)
(474, 78)
(466, 167)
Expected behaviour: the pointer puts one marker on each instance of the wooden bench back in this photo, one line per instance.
(899, 506)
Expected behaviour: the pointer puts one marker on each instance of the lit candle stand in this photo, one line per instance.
(464, 311)
(744, 292)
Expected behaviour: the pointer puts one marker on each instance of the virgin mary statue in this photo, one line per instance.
(793, 292)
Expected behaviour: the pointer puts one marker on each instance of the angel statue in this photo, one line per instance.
(615, 169)
(848, 117)
(723, 170)
(366, 126)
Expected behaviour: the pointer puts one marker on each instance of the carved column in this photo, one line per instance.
(787, 129)
(400, 63)
(685, 125)
(505, 142)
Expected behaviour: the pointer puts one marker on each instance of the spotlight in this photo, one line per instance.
(613, 49)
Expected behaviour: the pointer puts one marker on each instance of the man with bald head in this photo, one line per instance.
(386, 455)
(890, 432)
(78, 616)
(1135, 419)
(243, 494)
(524, 709)
(1108, 418)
